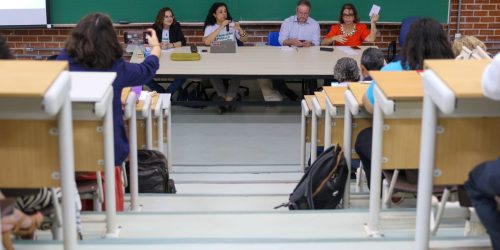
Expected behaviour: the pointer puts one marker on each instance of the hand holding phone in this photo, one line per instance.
(329, 49)
(145, 36)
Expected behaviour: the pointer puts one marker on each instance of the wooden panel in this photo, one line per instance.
(337, 131)
(29, 154)
(399, 85)
(335, 95)
(320, 96)
(16, 82)
(401, 143)
(463, 77)
(465, 143)
(154, 100)
(358, 90)
(89, 145)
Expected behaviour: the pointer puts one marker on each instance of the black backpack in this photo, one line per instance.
(193, 92)
(322, 185)
(153, 173)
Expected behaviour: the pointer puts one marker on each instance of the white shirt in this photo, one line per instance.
(491, 79)
(223, 35)
(165, 36)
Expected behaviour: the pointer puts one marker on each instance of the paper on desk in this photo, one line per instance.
(167, 50)
(375, 10)
(288, 48)
(348, 50)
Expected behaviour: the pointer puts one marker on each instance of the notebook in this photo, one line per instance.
(227, 46)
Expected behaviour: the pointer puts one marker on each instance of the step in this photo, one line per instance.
(210, 203)
(237, 178)
(237, 169)
(235, 188)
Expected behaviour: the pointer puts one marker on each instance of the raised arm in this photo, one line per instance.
(209, 38)
(373, 29)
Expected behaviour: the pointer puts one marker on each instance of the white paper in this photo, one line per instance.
(375, 10)
(143, 95)
(288, 48)
(347, 50)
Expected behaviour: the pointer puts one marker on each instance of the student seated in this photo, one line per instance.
(346, 70)
(483, 185)
(371, 59)
(426, 40)
(93, 46)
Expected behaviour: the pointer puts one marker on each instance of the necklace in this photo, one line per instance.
(342, 30)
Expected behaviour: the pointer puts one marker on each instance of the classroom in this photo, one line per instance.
(191, 124)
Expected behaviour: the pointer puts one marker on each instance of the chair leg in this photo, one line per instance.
(440, 210)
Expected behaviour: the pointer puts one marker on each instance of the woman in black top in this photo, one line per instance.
(170, 35)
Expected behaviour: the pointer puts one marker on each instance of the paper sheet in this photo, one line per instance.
(348, 50)
(375, 10)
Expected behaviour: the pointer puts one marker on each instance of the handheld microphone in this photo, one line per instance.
(227, 26)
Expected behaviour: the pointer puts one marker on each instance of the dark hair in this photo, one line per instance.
(4, 49)
(348, 6)
(426, 39)
(160, 16)
(93, 42)
(372, 59)
(346, 70)
(210, 20)
(304, 2)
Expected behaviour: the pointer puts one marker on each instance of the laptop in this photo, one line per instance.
(227, 46)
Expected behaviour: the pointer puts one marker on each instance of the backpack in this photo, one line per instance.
(153, 173)
(322, 185)
(193, 92)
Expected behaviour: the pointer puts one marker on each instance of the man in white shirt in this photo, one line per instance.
(298, 30)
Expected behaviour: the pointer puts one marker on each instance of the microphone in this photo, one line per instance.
(227, 26)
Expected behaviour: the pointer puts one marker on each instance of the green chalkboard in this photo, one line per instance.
(144, 11)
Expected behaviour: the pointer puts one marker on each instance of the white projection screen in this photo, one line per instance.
(23, 13)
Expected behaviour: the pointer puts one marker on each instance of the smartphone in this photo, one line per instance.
(145, 35)
(302, 41)
(326, 49)
(355, 47)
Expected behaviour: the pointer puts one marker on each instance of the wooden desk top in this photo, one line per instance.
(255, 61)
(125, 92)
(463, 77)
(335, 95)
(309, 99)
(28, 78)
(399, 85)
(358, 90)
(320, 96)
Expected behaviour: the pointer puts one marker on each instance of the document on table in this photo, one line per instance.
(348, 50)
(288, 48)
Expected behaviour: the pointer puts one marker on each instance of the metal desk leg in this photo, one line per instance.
(159, 127)
(376, 173)
(328, 125)
(347, 155)
(305, 112)
(169, 138)
(149, 130)
(425, 173)
(66, 158)
(109, 172)
(134, 163)
(314, 136)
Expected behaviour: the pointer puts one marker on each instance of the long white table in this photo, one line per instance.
(255, 62)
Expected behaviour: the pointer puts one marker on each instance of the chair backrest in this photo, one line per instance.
(272, 38)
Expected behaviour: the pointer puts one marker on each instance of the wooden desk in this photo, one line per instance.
(92, 99)
(396, 127)
(334, 104)
(255, 62)
(37, 132)
(451, 147)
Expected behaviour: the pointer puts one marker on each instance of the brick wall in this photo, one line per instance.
(480, 18)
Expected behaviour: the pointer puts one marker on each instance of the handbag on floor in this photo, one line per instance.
(153, 173)
(323, 183)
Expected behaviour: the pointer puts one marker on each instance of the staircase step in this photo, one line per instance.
(238, 169)
(237, 178)
(235, 189)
